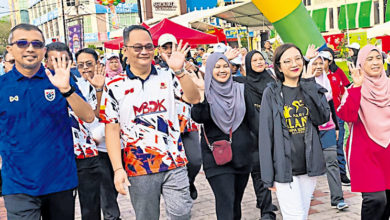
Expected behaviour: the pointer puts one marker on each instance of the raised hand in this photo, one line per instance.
(312, 51)
(178, 56)
(197, 79)
(232, 53)
(308, 71)
(98, 78)
(62, 73)
(356, 74)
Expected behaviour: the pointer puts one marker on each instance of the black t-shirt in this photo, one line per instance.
(296, 113)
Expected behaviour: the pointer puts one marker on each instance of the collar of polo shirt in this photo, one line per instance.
(18, 76)
(131, 75)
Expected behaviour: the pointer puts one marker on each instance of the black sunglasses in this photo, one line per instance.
(139, 48)
(10, 61)
(24, 44)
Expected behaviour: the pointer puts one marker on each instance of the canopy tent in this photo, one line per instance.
(245, 13)
(193, 37)
(379, 30)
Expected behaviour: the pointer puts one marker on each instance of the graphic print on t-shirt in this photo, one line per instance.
(296, 116)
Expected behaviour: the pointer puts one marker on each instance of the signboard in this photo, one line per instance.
(333, 41)
(75, 38)
(103, 36)
(232, 32)
(91, 37)
(165, 8)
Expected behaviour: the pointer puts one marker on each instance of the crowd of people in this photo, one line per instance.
(135, 122)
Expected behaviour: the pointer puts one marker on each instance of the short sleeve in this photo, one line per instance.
(109, 107)
(91, 98)
(78, 92)
(177, 90)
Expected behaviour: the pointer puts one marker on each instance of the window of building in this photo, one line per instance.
(376, 12)
(88, 24)
(331, 20)
(304, 2)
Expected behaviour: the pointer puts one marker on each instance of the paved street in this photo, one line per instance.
(204, 208)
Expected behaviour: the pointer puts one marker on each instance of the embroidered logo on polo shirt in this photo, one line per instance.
(163, 86)
(13, 98)
(150, 107)
(50, 94)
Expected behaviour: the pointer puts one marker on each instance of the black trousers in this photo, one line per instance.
(228, 190)
(108, 193)
(193, 152)
(263, 194)
(54, 206)
(88, 171)
(376, 205)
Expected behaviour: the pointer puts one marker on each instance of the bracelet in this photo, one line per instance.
(99, 90)
(118, 169)
(68, 93)
(181, 76)
(179, 72)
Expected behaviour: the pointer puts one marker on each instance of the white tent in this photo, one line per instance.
(379, 30)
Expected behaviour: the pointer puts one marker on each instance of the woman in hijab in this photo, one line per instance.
(113, 65)
(328, 136)
(366, 106)
(223, 116)
(256, 81)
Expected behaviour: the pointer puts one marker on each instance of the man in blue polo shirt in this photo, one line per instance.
(39, 170)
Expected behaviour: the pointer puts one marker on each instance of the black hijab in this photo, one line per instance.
(255, 82)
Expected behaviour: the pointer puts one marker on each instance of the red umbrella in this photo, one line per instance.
(115, 44)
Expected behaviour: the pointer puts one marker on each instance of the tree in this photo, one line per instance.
(5, 26)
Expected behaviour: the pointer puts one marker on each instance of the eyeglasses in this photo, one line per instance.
(288, 62)
(10, 61)
(86, 64)
(139, 48)
(24, 44)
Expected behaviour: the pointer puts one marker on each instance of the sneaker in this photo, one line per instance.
(193, 191)
(342, 206)
(344, 180)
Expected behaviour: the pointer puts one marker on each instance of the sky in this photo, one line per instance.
(3, 7)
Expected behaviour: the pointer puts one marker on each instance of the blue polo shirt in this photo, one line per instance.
(35, 136)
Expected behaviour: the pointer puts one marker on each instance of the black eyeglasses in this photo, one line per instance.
(87, 64)
(139, 48)
(24, 44)
(10, 61)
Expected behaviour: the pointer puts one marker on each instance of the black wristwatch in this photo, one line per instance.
(68, 93)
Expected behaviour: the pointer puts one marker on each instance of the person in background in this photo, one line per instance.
(188, 128)
(236, 66)
(40, 174)
(366, 107)
(328, 135)
(113, 65)
(9, 61)
(290, 151)
(204, 59)
(256, 81)
(198, 58)
(267, 50)
(353, 52)
(224, 122)
(338, 82)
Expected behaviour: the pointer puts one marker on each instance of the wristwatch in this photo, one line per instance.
(68, 93)
(179, 72)
(99, 90)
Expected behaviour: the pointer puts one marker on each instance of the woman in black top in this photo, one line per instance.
(224, 109)
(257, 78)
(290, 150)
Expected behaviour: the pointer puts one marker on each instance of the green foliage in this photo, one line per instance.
(5, 26)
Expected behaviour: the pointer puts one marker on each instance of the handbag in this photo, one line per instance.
(222, 150)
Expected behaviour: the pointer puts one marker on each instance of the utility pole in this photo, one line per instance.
(139, 10)
(64, 22)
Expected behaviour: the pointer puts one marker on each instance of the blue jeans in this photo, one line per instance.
(340, 149)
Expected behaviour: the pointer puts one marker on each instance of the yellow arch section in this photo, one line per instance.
(275, 10)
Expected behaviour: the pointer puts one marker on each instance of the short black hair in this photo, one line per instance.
(129, 29)
(201, 48)
(26, 27)
(5, 54)
(89, 51)
(58, 46)
(278, 54)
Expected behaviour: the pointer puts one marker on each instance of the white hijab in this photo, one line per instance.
(323, 80)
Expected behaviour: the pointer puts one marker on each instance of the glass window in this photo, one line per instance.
(376, 12)
(88, 24)
(331, 20)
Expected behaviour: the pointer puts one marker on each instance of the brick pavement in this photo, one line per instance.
(204, 208)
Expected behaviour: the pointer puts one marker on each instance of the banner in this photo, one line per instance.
(75, 39)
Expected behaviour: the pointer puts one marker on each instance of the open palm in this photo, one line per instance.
(98, 78)
(62, 73)
(177, 58)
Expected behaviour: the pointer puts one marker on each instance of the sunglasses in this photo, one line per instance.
(139, 48)
(87, 64)
(10, 61)
(24, 44)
